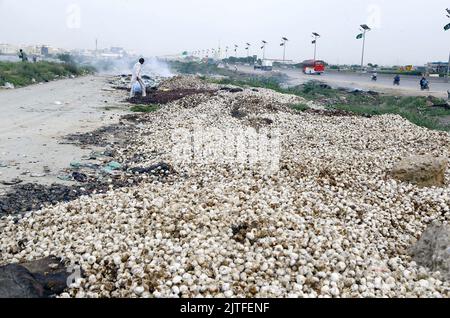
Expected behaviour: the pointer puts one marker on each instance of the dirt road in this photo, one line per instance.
(35, 119)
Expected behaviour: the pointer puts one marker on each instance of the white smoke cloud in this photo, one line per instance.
(152, 67)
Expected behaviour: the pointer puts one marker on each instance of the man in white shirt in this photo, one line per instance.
(136, 77)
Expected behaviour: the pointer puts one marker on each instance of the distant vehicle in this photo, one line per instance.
(397, 80)
(374, 77)
(265, 65)
(424, 85)
(313, 67)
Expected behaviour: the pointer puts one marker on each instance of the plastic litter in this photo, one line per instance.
(11, 182)
(137, 88)
(112, 167)
(9, 85)
(80, 177)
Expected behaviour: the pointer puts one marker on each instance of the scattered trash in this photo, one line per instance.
(122, 82)
(108, 89)
(37, 175)
(137, 89)
(11, 182)
(8, 86)
(65, 178)
(75, 165)
(160, 168)
(80, 177)
(112, 167)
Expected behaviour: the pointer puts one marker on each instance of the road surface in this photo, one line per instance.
(409, 84)
(36, 118)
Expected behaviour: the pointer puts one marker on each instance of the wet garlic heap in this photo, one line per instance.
(329, 223)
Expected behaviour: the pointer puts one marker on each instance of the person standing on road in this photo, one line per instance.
(23, 56)
(137, 78)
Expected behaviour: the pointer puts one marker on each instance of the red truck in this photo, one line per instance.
(313, 67)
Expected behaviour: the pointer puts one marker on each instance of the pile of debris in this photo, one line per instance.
(329, 222)
(185, 82)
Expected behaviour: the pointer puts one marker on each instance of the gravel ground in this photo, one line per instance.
(327, 223)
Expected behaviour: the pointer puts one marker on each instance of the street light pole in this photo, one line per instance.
(365, 30)
(363, 49)
(316, 36)
(283, 44)
(446, 28)
(264, 49)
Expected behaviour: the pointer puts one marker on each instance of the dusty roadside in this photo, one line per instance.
(409, 85)
(35, 119)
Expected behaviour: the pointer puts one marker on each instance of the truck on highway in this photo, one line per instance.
(313, 67)
(264, 65)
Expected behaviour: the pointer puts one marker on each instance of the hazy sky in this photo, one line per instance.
(405, 31)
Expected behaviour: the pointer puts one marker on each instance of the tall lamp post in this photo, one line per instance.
(263, 48)
(283, 44)
(247, 48)
(364, 29)
(316, 36)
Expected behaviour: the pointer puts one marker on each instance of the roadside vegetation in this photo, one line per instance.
(300, 107)
(426, 112)
(194, 68)
(25, 73)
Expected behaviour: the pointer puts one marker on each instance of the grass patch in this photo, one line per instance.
(23, 73)
(144, 108)
(300, 107)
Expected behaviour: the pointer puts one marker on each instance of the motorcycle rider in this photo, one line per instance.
(374, 76)
(424, 83)
(397, 80)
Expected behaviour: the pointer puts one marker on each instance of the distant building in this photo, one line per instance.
(8, 49)
(45, 51)
(437, 67)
